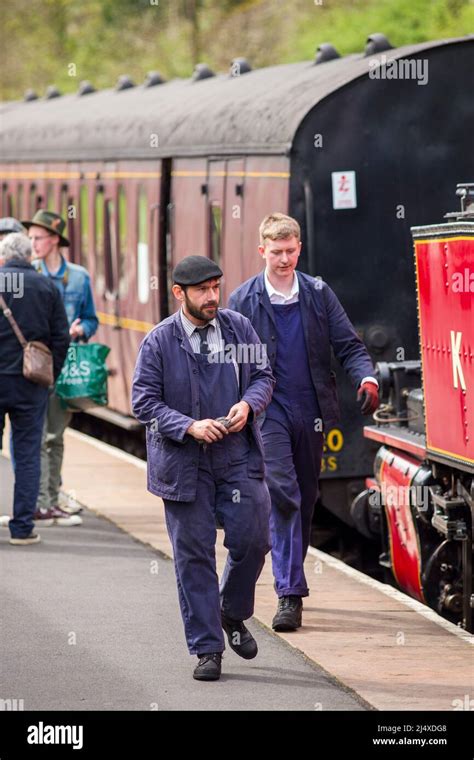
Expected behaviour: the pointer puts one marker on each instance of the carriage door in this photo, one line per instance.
(216, 175)
(232, 229)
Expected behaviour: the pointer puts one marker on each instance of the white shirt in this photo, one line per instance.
(279, 298)
(276, 296)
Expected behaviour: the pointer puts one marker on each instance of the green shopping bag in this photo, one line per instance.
(83, 379)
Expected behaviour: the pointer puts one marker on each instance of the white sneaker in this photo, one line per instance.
(71, 509)
(4, 520)
(64, 519)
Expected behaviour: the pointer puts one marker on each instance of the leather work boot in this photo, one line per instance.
(208, 667)
(239, 637)
(288, 615)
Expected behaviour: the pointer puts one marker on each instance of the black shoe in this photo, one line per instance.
(240, 639)
(208, 667)
(288, 615)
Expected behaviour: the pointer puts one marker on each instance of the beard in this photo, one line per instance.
(199, 313)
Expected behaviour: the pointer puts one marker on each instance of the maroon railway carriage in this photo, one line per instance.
(422, 497)
(149, 174)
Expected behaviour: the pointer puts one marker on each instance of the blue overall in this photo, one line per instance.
(293, 451)
(241, 505)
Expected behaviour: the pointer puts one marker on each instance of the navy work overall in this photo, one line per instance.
(293, 443)
(241, 504)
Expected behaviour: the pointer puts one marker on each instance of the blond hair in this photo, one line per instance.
(278, 226)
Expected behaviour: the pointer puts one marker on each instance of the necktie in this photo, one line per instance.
(204, 346)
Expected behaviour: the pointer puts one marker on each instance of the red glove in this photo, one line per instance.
(368, 393)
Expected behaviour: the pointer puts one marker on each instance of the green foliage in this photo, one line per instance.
(102, 39)
(404, 22)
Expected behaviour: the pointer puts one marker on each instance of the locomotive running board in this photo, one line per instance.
(412, 443)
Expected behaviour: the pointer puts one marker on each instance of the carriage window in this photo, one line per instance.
(64, 208)
(123, 242)
(33, 201)
(110, 245)
(9, 205)
(84, 224)
(99, 242)
(20, 202)
(50, 198)
(71, 216)
(4, 200)
(216, 232)
(66, 205)
(143, 265)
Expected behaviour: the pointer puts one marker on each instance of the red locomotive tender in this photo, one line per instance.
(422, 497)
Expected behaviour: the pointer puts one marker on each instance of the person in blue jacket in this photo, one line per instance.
(46, 232)
(201, 379)
(299, 319)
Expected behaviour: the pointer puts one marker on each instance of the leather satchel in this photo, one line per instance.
(37, 358)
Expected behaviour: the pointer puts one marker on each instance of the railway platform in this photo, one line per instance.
(109, 586)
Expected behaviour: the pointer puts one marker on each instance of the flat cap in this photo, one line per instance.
(195, 269)
(9, 224)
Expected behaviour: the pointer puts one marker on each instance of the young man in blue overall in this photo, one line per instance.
(300, 319)
(196, 366)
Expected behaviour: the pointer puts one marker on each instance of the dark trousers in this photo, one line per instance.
(293, 451)
(25, 403)
(242, 506)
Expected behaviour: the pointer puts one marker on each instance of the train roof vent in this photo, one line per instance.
(85, 87)
(377, 43)
(124, 82)
(239, 66)
(52, 92)
(202, 71)
(325, 52)
(465, 191)
(153, 78)
(30, 95)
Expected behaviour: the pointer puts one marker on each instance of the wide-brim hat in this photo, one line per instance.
(49, 221)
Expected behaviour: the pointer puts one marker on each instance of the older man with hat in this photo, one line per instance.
(47, 235)
(37, 310)
(9, 224)
(200, 381)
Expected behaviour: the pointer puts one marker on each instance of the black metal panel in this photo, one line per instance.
(409, 145)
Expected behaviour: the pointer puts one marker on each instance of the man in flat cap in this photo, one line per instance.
(201, 379)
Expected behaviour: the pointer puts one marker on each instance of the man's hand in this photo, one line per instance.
(238, 415)
(368, 393)
(76, 330)
(208, 431)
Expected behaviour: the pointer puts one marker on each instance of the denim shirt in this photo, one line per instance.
(73, 282)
